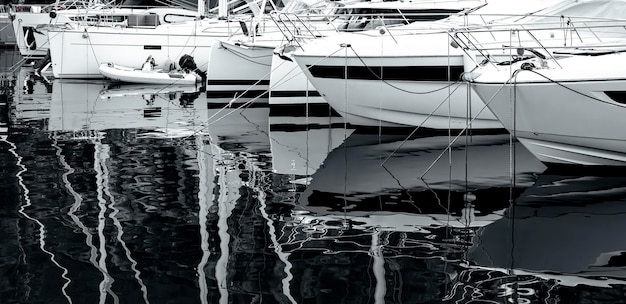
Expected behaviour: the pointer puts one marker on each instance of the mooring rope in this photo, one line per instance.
(467, 126)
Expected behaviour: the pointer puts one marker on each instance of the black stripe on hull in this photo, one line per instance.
(423, 132)
(222, 105)
(285, 94)
(306, 127)
(617, 96)
(213, 82)
(404, 73)
(300, 110)
(237, 94)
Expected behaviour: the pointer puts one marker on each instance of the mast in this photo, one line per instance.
(201, 8)
(222, 8)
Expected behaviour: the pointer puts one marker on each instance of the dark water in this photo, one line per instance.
(123, 195)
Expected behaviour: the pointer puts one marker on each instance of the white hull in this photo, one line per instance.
(235, 69)
(290, 86)
(131, 46)
(31, 29)
(29, 42)
(568, 119)
(243, 64)
(400, 103)
(409, 75)
(293, 98)
(125, 74)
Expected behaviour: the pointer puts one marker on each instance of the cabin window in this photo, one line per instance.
(617, 96)
(149, 20)
(174, 18)
(358, 19)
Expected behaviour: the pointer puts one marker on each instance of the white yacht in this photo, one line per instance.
(565, 110)
(32, 23)
(130, 44)
(410, 76)
(243, 63)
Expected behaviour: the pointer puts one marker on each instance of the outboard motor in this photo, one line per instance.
(187, 63)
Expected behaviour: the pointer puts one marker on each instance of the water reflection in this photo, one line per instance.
(364, 232)
(417, 174)
(105, 200)
(239, 126)
(87, 105)
(565, 223)
(555, 244)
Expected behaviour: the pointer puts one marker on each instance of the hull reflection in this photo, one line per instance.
(565, 224)
(87, 105)
(392, 173)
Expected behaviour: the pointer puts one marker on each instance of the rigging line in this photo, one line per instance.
(345, 135)
(284, 79)
(380, 100)
(4, 27)
(237, 98)
(421, 124)
(570, 89)
(301, 71)
(512, 204)
(396, 87)
(406, 190)
(42, 231)
(188, 42)
(253, 99)
(380, 124)
(307, 158)
(243, 94)
(88, 36)
(467, 203)
(447, 207)
(467, 126)
(243, 105)
(25, 58)
(13, 68)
